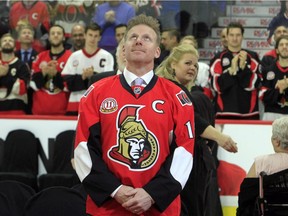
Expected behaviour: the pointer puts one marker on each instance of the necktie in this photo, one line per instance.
(137, 86)
(25, 59)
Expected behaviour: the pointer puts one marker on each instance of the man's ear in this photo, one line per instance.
(157, 52)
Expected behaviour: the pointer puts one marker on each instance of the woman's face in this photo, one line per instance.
(186, 68)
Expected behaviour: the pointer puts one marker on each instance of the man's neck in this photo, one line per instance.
(283, 62)
(25, 46)
(7, 57)
(57, 50)
(234, 49)
(90, 50)
(139, 70)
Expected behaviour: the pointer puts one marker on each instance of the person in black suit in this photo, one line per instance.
(27, 54)
(26, 37)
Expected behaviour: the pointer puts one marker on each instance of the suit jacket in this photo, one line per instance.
(33, 56)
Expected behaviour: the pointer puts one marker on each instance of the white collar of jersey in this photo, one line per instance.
(130, 77)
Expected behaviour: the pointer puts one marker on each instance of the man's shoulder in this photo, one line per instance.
(169, 85)
(271, 53)
(104, 52)
(99, 76)
(251, 52)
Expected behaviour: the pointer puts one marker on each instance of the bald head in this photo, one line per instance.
(77, 36)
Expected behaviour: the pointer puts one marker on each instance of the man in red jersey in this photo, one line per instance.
(134, 147)
(14, 77)
(49, 97)
(35, 12)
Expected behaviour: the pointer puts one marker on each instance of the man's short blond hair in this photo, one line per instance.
(6, 35)
(145, 20)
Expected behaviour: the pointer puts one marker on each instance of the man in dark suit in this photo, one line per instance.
(26, 37)
(26, 53)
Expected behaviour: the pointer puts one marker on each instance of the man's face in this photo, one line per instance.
(167, 41)
(56, 36)
(26, 36)
(7, 44)
(77, 37)
(223, 37)
(281, 30)
(141, 45)
(92, 38)
(234, 38)
(119, 33)
(282, 49)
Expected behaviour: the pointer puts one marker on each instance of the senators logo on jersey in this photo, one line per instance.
(137, 147)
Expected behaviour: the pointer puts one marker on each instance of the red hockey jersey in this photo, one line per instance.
(45, 100)
(145, 142)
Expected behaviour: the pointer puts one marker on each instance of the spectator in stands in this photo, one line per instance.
(35, 12)
(274, 89)
(169, 39)
(270, 164)
(270, 57)
(49, 97)
(120, 32)
(26, 52)
(37, 44)
(223, 39)
(279, 20)
(235, 78)
(107, 16)
(82, 64)
(14, 78)
(202, 80)
(181, 66)
(279, 160)
(77, 37)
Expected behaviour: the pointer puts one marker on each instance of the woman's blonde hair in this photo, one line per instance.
(165, 68)
(191, 38)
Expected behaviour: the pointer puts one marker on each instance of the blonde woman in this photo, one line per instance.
(181, 67)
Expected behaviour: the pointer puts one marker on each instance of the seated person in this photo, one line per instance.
(271, 163)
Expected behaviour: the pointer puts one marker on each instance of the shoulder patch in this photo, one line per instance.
(270, 75)
(109, 105)
(183, 98)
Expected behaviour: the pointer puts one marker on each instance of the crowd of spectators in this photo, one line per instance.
(29, 23)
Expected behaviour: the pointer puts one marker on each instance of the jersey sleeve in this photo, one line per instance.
(173, 174)
(97, 179)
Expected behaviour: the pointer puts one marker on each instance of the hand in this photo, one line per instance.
(227, 143)
(4, 68)
(87, 72)
(242, 59)
(282, 85)
(52, 65)
(234, 66)
(122, 194)
(140, 202)
(110, 16)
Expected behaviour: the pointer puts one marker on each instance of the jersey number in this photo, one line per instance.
(189, 128)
